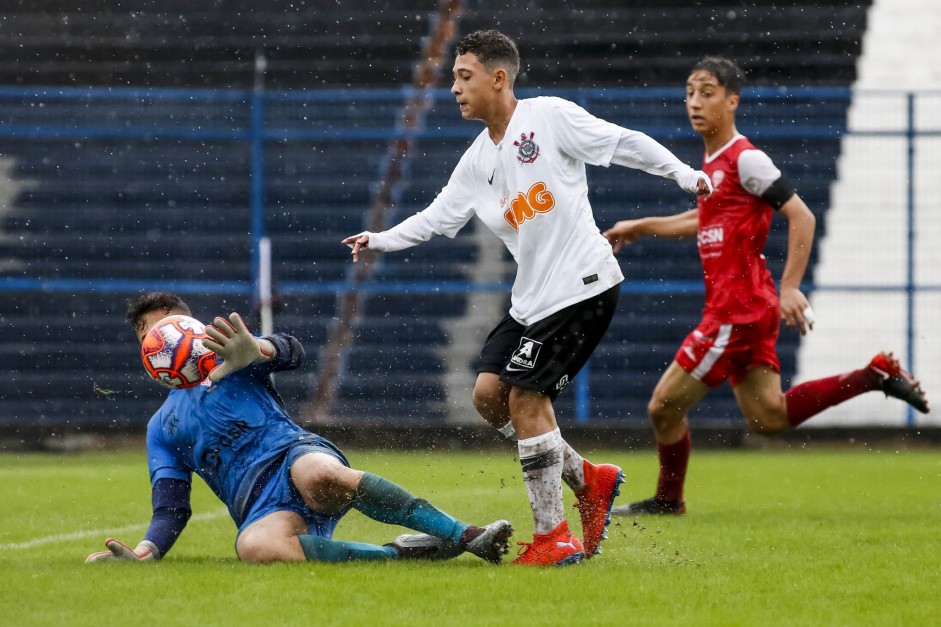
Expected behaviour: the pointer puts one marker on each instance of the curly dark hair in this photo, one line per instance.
(155, 301)
(726, 71)
(494, 49)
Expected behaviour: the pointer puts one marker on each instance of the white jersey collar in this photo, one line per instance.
(715, 155)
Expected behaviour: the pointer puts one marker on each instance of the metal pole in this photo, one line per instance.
(910, 281)
(264, 286)
(257, 168)
(583, 394)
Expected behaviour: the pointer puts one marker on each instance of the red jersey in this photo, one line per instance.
(733, 229)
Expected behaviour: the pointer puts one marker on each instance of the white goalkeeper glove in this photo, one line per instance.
(694, 182)
(231, 340)
(119, 552)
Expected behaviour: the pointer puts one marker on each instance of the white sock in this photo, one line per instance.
(508, 431)
(573, 467)
(541, 459)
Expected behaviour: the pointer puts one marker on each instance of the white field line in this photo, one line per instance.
(103, 533)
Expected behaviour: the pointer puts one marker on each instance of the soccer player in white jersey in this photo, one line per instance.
(736, 339)
(285, 488)
(524, 177)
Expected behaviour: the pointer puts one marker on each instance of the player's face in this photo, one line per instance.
(472, 87)
(709, 107)
(147, 322)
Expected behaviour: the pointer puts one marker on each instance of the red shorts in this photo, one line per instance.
(714, 352)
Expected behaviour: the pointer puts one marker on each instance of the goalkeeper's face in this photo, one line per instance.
(710, 108)
(147, 321)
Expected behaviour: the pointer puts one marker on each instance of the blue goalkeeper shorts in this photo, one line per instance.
(280, 494)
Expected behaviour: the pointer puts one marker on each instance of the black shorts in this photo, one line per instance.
(547, 355)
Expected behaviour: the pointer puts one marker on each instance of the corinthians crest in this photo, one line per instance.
(527, 148)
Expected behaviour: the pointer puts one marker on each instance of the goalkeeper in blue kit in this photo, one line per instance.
(285, 488)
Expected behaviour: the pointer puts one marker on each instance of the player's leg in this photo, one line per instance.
(279, 526)
(770, 411)
(328, 486)
(491, 396)
(545, 359)
(273, 538)
(711, 354)
(761, 400)
(540, 453)
(675, 394)
(282, 536)
(883, 373)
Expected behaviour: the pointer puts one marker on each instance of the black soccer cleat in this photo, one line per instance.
(421, 546)
(489, 543)
(897, 382)
(652, 506)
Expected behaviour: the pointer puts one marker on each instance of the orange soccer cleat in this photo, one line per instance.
(594, 503)
(559, 547)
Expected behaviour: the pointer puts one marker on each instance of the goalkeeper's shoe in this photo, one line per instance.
(654, 506)
(559, 547)
(602, 484)
(421, 546)
(897, 382)
(489, 543)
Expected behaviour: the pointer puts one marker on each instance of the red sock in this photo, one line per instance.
(674, 458)
(809, 399)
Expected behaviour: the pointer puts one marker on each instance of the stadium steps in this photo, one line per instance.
(596, 43)
(125, 208)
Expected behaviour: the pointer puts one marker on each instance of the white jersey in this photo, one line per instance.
(530, 189)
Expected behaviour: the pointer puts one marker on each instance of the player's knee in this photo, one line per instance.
(481, 399)
(326, 484)
(768, 417)
(258, 548)
(487, 398)
(663, 414)
(526, 402)
(768, 424)
(330, 480)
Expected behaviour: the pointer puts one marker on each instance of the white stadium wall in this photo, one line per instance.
(866, 239)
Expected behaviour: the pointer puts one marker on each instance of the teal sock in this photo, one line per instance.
(318, 549)
(386, 502)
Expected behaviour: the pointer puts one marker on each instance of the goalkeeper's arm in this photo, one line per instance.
(171, 505)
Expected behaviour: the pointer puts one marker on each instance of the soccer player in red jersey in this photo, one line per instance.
(736, 339)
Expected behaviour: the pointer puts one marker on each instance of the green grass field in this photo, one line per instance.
(802, 537)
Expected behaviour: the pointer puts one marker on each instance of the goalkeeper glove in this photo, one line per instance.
(231, 340)
(117, 551)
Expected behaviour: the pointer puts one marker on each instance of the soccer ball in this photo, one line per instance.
(174, 355)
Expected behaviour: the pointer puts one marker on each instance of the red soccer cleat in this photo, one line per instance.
(559, 547)
(594, 503)
(897, 382)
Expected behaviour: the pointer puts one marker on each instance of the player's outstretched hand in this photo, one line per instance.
(357, 243)
(695, 182)
(120, 552)
(796, 311)
(623, 232)
(231, 340)
(703, 185)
